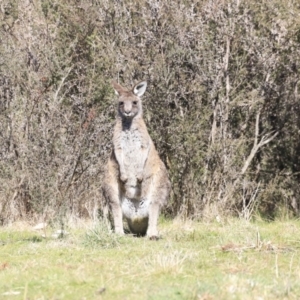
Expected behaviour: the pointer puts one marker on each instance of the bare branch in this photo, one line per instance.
(62, 83)
(257, 145)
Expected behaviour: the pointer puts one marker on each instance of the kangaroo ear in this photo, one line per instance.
(118, 88)
(140, 88)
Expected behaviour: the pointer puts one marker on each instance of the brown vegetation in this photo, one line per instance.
(222, 105)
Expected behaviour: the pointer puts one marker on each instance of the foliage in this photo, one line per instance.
(222, 104)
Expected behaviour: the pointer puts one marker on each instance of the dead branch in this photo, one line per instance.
(267, 138)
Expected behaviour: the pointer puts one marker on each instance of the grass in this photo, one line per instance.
(225, 260)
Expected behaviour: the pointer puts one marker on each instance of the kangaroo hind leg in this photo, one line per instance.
(158, 194)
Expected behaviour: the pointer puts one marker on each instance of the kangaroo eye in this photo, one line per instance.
(121, 103)
(134, 102)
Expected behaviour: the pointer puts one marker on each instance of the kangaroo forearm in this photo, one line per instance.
(121, 163)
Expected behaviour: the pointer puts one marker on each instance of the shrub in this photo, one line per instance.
(222, 104)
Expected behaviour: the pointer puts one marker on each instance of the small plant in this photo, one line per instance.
(101, 235)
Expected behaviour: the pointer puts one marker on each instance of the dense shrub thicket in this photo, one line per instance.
(222, 105)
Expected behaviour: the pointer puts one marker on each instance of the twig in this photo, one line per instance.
(62, 83)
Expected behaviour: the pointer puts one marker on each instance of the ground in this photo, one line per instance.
(228, 259)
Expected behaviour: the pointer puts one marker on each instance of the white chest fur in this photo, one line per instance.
(131, 143)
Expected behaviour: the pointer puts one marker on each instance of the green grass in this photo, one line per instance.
(231, 260)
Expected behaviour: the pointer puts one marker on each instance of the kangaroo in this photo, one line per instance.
(136, 183)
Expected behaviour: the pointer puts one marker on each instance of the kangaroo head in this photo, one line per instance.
(129, 102)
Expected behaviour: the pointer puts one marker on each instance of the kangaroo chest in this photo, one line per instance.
(131, 143)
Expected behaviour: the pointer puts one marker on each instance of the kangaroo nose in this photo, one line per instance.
(127, 108)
